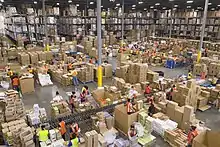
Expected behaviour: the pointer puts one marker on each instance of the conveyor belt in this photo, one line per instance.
(83, 117)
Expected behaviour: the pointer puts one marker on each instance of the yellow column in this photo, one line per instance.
(99, 76)
(199, 56)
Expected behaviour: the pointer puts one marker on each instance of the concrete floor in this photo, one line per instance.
(43, 96)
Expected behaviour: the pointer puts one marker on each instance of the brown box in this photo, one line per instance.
(27, 85)
(178, 116)
(202, 101)
(122, 120)
(207, 139)
(205, 94)
(188, 113)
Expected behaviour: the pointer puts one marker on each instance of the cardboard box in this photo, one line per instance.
(188, 113)
(27, 85)
(178, 116)
(123, 121)
(207, 139)
(202, 101)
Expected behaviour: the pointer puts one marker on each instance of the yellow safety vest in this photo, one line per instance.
(43, 135)
(189, 76)
(75, 142)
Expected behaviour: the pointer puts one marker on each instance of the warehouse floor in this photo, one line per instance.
(43, 96)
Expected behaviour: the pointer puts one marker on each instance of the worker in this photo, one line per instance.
(151, 109)
(70, 66)
(74, 141)
(214, 81)
(86, 88)
(43, 134)
(191, 135)
(160, 86)
(45, 67)
(75, 79)
(189, 75)
(203, 75)
(58, 97)
(170, 96)
(132, 132)
(10, 73)
(62, 128)
(130, 108)
(147, 90)
(131, 93)
(75, 129)
(83, 96)
(71, 102)
(15, 83)
(30, 69)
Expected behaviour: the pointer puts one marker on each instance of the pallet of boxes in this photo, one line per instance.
(86, 73)
(59, 109)
(107, 96)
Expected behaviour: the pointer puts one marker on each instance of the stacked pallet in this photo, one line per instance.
(175, 137)
(86, 74)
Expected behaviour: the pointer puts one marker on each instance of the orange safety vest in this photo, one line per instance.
(62, 127)
(15, 82)
(191, 135)
(129, 105)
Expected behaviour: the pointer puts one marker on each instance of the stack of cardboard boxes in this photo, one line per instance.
(14, 108)
(41, 56)
(214, 93)
(33, 57)
(12, 133)
(23, 58)
(200, 68)
(107, 70)
(91, 139)
(203, 99)
(175, 137)
(86, 74)
(187, 94)
(60, 109)
(152, 76)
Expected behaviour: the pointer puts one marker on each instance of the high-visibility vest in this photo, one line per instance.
(43, 135)
(129, 106)
(189, 76)
(30, 70)
(15, 82)
(191, 135)
(75, 142)
(62, 127)
(10, 73)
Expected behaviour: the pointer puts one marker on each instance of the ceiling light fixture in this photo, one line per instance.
(0, 4)
(174, 9)
(145, 9)
(213, 9)
(2, 1)
(171, 0)
(58, 4)
(151, 7)
(91, 3)
(77, 5)
(70, 1)
(209, 3)
(164, 8)
(189, 2)
(133, 8)
(116, 7)
(140, 2)
(175, 6)
(133, 5)
(188, 7)
(118, 4)
(101, 6)
(155, 9)
(218, 5)
(157, 4)
(35, 2)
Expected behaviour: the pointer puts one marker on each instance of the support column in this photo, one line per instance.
(122, 21)
(202, 31)
(45, 25)
(99, 39)
(171, 19)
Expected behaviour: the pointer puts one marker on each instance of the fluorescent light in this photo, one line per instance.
(2, 1)
(0, 4)
(133, 8)
(218, 5)
(175, 6)
(101, 6)
(199, 8)
(171, 0)
(145, 9)
(91, 3)
(35, 2)
(77, 5)
(151, 7)
(69, 1)
(133, 5)
(116, 7)
(155, 9)
(213, 9)
(209, 3)
(189, 2)
(140, 2)
(164, 8)
(188, 7)
(58, 4)
(157, 4)
(117, 4)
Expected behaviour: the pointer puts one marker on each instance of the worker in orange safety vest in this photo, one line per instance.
(62, 128)
(130, 109)
(191, 135)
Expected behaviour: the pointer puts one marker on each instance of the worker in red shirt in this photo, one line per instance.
(147, 90)
(130, 108)
(191, 135)
(15, 83)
